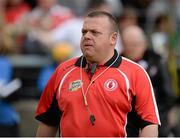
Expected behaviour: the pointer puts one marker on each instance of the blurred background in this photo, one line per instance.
(37, 35)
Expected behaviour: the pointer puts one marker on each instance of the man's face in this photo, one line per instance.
(46, 4)
(96, 40)
(134, 43)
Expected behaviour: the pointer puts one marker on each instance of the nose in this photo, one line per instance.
(87, 35)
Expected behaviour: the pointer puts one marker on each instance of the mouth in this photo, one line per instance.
(88, 45)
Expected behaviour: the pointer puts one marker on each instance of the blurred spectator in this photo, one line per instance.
(113, 6)
(141, 7)
(135, 47)
(45, 17)
(128, 17)
(160, 37)
(164, 40)
(70, 31)
(6, 42)
(78, 6)
(61, 52)
(170, 9)
(15, 16)
(32, 3)
(15, 11)
(101, 5)
(161, 7)
(2, 6)
(9, 118)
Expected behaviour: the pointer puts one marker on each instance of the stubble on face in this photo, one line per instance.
(95, 36)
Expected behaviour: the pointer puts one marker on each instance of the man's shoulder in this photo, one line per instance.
(133, 70)
(130, 67)
(129, 63)
(68, 63)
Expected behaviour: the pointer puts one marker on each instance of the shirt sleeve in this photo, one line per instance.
(145, 103)
(48, 111)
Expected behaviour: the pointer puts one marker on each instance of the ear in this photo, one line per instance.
(113, 38)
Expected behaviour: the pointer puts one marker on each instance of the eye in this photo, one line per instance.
(84, 32)
(95, 32)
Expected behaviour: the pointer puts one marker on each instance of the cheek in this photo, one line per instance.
(81, 41)
(140, 49)
(103, 42)
(100, 47)
(129, 47)
(81, 47)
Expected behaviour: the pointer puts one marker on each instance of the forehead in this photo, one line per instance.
(99, 22)
(133, 35)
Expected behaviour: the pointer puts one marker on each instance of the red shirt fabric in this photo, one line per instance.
(109, 97)
(51, 19)
(14, 14)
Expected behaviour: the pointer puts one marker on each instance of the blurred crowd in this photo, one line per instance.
(53, 28)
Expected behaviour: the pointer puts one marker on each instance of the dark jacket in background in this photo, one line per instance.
(158, 72)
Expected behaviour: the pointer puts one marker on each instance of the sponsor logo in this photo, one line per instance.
(75, 85)
(110, 85)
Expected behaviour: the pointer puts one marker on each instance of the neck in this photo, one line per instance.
(89, 65)
(101, 60)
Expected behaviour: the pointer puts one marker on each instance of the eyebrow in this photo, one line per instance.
(91, 30)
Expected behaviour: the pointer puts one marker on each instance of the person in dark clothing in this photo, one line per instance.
(135, 48)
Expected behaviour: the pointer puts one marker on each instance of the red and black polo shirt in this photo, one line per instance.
(110, 97)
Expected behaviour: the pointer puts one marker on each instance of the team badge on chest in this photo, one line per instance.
(75, 85)
(110, 85)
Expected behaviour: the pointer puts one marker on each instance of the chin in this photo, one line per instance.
(89, 57)
(88, 54)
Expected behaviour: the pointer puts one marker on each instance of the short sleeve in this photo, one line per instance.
(145, 104)
(48, 111)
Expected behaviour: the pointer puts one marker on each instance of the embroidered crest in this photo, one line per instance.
(110, 85)
(75, 85)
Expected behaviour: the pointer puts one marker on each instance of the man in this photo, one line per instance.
(91, 95)
(47, 16)
(135, 48)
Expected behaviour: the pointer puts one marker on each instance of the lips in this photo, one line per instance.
(87, 45)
